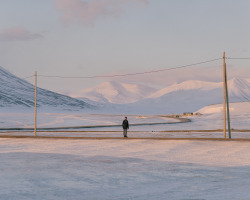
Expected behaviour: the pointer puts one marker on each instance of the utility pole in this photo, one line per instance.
(228, 117)
(224, 94)
(35, 102)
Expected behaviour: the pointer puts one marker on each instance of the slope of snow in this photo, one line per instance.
(186, 85)
(115, 92)
(16, 93)
(239, 90)
(176, 102)
(212, 117)
(190, 96)
(241, 108)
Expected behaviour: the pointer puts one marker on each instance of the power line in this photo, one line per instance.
(132, 74)
(27, 77)
(238, 58)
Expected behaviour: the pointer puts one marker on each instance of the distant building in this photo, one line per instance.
(188, 114)
(174, 115)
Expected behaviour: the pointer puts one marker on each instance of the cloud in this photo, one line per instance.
(88, 12)
(18, 34)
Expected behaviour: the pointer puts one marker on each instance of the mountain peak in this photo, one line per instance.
(185, 86)
(116, 92)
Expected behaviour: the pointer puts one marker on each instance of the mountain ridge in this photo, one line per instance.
(18, 93)
(115, 92)
(104, 92)
(187, 96)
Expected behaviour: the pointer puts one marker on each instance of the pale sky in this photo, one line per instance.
(103, 37)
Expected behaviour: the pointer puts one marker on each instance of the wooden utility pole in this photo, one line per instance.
(228, 116)
(35, 102)
(224, 94)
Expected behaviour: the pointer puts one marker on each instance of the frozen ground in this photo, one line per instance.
(124, 169)
(120, 169)
(211, 118)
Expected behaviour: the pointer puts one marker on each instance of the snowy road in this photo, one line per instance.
(124, 169)
(202, 134)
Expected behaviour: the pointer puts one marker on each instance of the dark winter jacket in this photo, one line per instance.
(125, 124)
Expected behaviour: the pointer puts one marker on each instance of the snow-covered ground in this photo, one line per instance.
(211, 118)
(124, 169)
(26, 120)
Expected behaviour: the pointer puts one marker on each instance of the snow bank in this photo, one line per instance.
(241, 107)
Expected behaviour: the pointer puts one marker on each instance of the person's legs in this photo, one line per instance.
(125, 132)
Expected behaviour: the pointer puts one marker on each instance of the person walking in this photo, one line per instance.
(125, 126)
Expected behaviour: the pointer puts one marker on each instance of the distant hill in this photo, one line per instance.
(239, 107)
(239, 89)
(188, 96)
(116, 92)
(16, 93)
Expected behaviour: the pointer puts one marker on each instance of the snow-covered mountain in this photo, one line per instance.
(116, 92)
(186, 86)
(187, 96)
(16, 93)
(238, 89)
(192, 95)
